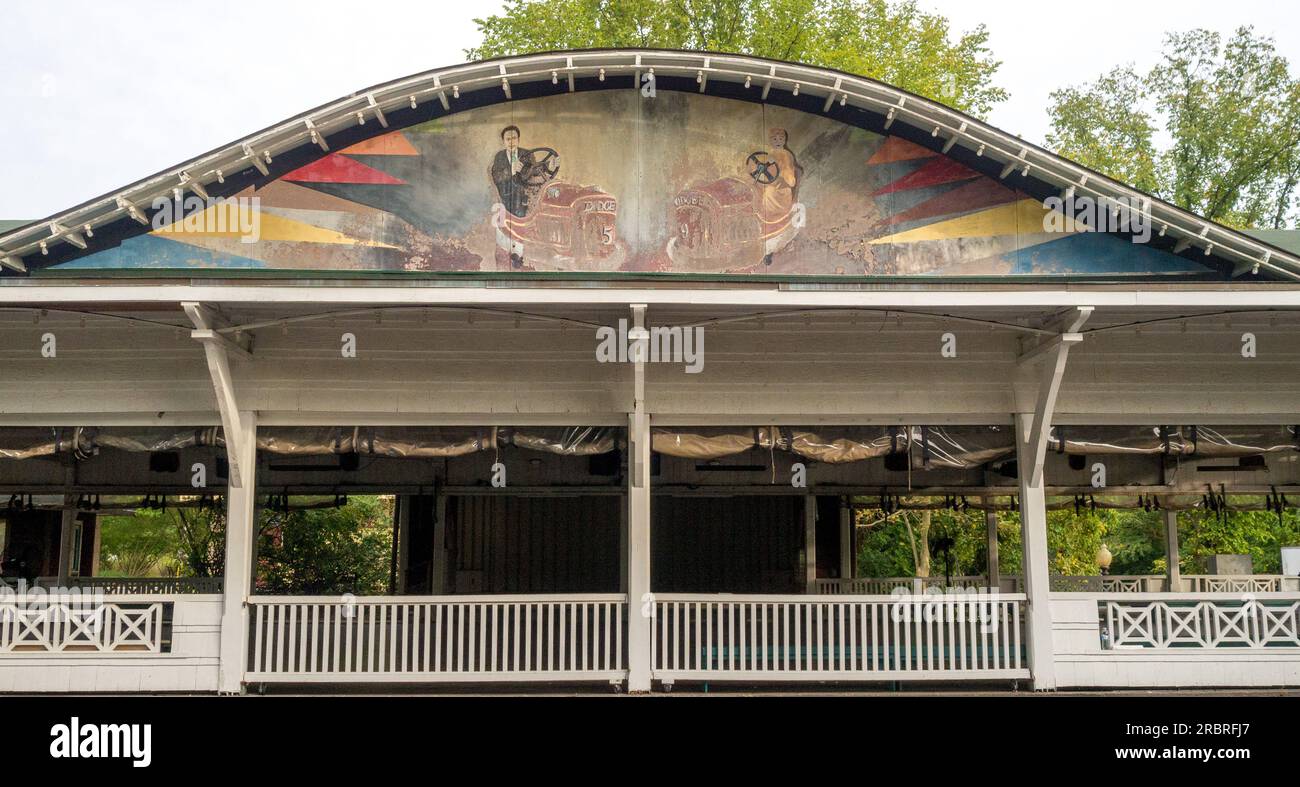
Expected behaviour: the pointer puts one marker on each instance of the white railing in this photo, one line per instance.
(720, 637)
(883, 586)
(1245, 583)
(1106, 583)
(141, 585)
(438, 638)
(1191, 622)
(58, 624)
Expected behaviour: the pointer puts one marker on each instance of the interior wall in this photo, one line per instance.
(740, 544)
(517, 544)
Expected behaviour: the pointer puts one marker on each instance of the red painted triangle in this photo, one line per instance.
(932, 173)
(976, 195)
(336, 168)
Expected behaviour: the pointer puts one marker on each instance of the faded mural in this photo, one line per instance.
(613, 182)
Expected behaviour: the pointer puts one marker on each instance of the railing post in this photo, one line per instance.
(1033, 528)
(641, 605)
(241, 519)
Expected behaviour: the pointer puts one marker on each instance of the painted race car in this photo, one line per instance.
(565, 227)
(732, 223)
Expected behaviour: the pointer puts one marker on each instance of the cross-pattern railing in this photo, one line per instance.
(54, 625)
(1217, 623)
(712, 637)
(1245, 583)
(443, 638)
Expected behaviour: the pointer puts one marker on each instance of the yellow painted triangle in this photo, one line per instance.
(241, 220)
(1025, 216)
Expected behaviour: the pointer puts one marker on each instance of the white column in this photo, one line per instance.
(810, 543)
(640, 602)
(846, 541)
(1173, 571)
(1033, 530)
(241, 523)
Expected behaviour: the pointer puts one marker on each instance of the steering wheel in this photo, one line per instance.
(762, 167)
(541, 170)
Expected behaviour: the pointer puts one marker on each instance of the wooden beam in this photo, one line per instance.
(216, 347)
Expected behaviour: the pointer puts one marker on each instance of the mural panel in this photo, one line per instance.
(611, 182)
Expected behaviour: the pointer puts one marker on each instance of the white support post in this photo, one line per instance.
(1173, 571)
(1055, 352)
(218, 348)
(641, 607)
(846, 541)
(241, 529)
(1033, 529)
(1032, 433)
(810, 543)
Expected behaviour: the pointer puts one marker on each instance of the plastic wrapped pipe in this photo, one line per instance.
(1200, 441)
(566, 441)
(927, 447)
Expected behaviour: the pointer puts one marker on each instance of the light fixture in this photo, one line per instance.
(1104, 558)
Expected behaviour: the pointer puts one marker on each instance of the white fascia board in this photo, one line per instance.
(374, 296)
(351, 295)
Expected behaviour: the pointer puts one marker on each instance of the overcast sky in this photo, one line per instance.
(98, 94)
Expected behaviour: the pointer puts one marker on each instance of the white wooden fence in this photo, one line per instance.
(1230, 622)
(74, 624)
(1108, 583)
(883, 586)
(438, 638)
(787, 638)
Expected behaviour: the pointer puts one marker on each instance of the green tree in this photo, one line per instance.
(327, 550)
(894, 42)
(1231, 113)
(202, 539)
(140, 545)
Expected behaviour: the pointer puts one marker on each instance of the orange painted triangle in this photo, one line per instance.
(898, 149)
(394, 143)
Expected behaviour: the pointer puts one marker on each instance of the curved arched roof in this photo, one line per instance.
(839, 95)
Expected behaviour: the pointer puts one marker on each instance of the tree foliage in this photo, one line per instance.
(327, 550)
(1230, 110)
(1136, 539)
(894, 42)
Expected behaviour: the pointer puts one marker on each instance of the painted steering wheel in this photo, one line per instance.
(762, 167)
(541, 170)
